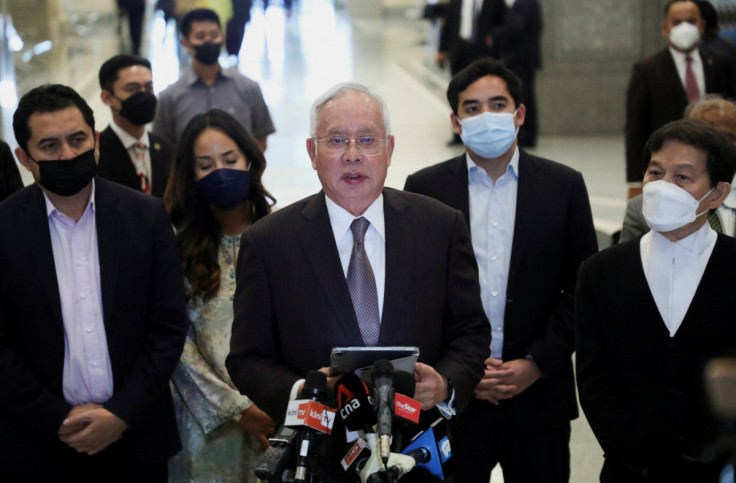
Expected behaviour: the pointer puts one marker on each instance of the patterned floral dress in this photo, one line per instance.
(208, 406)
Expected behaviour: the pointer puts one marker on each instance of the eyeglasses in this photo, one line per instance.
(367, 145)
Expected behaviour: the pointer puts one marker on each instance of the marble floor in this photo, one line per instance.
(295, 58)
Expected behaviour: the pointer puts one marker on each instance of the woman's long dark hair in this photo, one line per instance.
(197, 230)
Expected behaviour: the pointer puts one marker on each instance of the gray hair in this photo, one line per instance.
(342, 88)
(711, 102)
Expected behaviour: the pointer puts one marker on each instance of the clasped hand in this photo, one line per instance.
(90, 428)
(504, 380)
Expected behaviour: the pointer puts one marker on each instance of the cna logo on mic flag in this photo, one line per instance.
(303, 412)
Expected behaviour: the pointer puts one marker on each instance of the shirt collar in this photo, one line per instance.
(694, 243)
(680, 56)
(512, 168)
(340, 218)
(125, 138)
(191, 76)
(51, 209)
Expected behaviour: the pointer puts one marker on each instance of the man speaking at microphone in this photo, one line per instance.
(356, 264)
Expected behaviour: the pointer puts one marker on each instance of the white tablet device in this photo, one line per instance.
(344, 360)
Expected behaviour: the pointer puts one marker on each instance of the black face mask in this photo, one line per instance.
(208, 52)
(140, 108)
(67, 177)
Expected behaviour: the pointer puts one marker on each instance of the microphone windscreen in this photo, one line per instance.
(353, 402)
(315, 386)
(382, 368)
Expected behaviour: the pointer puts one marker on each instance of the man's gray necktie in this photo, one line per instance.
(362, 285)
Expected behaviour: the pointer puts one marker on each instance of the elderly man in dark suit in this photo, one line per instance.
(531, 226)
(295, 300)
(128, 154)
(92, 314)
(661, 86)
(652, 311)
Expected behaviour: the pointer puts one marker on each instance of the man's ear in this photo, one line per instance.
(106, 97)
(720, 192)
(23, 158)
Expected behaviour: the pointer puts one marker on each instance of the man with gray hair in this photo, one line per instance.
(297, 268)
(721, 114)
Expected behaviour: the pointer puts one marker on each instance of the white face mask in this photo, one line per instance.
(685, 36)
(489, 134)
(668, 207)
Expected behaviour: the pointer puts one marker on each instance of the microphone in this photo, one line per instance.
(431, 449)
(395, 466)
(314, 388)
(405, 407)
(383, 372)
(354, 403)
(272, 463)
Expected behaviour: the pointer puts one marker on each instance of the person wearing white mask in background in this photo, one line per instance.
(531, 226)
(662, 85)
(652, 311)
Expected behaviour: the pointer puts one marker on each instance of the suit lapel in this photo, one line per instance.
(456, 188)
(399, 261)
(525, 219)
(669, 71)
(708, 71)
(109, 236)
(320, 251)
(34, 226)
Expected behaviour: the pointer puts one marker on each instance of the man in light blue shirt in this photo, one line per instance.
(531, 226)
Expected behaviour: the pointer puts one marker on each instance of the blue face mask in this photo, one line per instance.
(225, 188)
(489, 134)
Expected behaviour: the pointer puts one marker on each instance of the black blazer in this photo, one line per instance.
(491, 16)
(640, 389)
(116, 165)
(655, 96)
(553, 233)
(519, 37)
(292, 303)
(144, 316)
(10, 180)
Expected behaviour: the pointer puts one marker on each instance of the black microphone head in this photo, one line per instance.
(383, 368)
(404, 383)
(315, 386)
(354, 404)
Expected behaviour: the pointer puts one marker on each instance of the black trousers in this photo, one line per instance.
(114, 464)
(484, 436)
(135, 9)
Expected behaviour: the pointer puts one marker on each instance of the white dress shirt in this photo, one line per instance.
(492, 221)
(468, 13)
(673, 270)
(374, 241)
(697, 66)
(129, 142)
(87, 375)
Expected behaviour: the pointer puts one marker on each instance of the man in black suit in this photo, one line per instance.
(128, 154)
(658, 90)
(92, 313)
(518, 41)
(652, 311)
(531, 226)
(294, 300)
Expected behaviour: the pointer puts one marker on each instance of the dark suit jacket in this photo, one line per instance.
(292, 303)
(116, 165)
(491, 16)
(10, 180)
(656, 96)
(553, 233)
(144, 316)
(640, 389)
(519, 37)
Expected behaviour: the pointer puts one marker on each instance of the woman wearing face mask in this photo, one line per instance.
(214, 193)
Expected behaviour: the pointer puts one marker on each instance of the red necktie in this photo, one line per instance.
(140, 165)
(691, 84)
